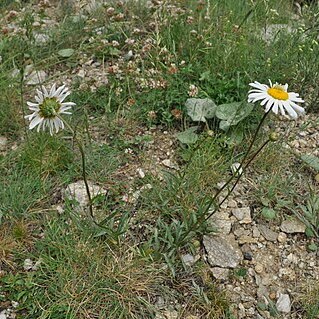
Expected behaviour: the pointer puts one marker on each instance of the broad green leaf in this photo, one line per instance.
(268, 213)
(232, 113)
(309, 232)
(188, 136)
(312, 247)
(311, 160)
(205, 76)
(200, 109)
(224, 125)
(66, 53)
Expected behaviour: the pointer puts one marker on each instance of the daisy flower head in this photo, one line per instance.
(276, 98)
(48, 108)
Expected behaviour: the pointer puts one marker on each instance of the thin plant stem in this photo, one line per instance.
(22, 102)
(236, 174)
(241, 164)
(238, 178)
(83, 161)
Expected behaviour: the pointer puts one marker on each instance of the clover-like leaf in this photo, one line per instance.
(311, 160)
(188, 136)
(66, 53)
(232, 113)
(200, 109)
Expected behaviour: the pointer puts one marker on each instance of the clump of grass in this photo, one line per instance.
(81, 277)
(308, 301)
(45, 155)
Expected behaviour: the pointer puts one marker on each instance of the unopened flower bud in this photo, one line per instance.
(210, 132)
(273, 137)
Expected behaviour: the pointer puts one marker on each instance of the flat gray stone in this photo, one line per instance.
(221, 220)
(188, 259)
(292, 226)
(222, 251)
(220, 273)
(271, 32)
(3, 143)
(243, 215)
(77, 191)
(268, 234)
(36, 77)
(283, 303)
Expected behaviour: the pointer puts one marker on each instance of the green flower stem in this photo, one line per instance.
(241, 164)
(236, 174)
(238, 179)
(22, 103)
(80, 146)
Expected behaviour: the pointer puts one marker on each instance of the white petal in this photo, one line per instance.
(282, 110)
(32, 104)
(297, 108)
(295, 97)
(254, 95)
(68, 104)
(39, 99)
(275, 107)
(61, 98)
(292, 113)
(56, 122)
(59, 90)
(270, 82)
(64, 108)
(40, 94)
(35, 122)
(259, 86)
(266, 99)
(53, 89)
(269, 105)
(44, 91)
(31, 116)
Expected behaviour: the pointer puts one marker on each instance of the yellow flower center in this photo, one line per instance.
(278, 92)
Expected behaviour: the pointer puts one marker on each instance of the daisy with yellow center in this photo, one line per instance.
(276, 98)
(48, 108)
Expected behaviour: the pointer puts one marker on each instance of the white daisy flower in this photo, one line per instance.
(276, 98)
(48, 107)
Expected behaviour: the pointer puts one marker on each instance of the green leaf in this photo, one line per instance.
(200, 109)
(268, 213)
(309, 232)
(188, 136)
(312, 247)
(114, 51)
(311, 160)
(265, 201)
(66, 53)
(232, 113)
(204, 76)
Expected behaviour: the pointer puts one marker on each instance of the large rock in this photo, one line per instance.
(221, 220)
(77, 192)
(222, 251)
(268, 234)
(292, 226)
(36, 77)
(283, 303)
(243, 215)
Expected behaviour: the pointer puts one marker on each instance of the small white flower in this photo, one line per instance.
(48, 107)
(277, 98)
